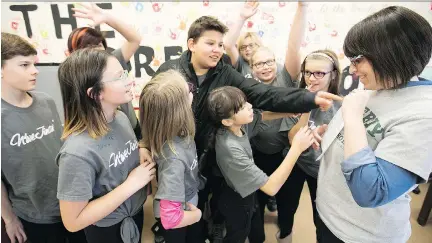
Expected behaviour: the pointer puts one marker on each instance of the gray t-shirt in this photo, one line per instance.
(398, 128)
(243, 67)
(30, 141)
(178, 173)
(235, 160)
(307, 160)
(201, 79)
(270, 140)
(91, 168)
(127, 108)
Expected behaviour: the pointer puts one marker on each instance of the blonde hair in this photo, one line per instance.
(165, 111)
(254, 37)
(260, 49)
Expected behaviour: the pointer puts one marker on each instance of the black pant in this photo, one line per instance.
(111, 234)
(213, 187)
(288, 197)
(324, 235)
(242, 219)
(51, 233)
(188, 234)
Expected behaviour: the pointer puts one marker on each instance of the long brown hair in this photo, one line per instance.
(335, 74)
(165, 111)
(82, 70)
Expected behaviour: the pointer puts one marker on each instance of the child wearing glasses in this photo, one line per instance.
(240, 47)
(101, 185)
(89, 37)
(169, 135)
(320, 72)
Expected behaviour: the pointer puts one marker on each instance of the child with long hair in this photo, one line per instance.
(320, 72)
(168, 125)
(236, 123)
(102, 185)
(84, 37)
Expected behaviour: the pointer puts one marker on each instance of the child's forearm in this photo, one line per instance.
(78, 215)
(278, 178)
(6, 207)
(303, 121)
(173, 216)
(189, 218)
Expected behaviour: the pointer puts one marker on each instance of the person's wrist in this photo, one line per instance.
(10, 219)
(130, 184)
(295, 150)
(108, 18)
(142, 145)
(352, 120)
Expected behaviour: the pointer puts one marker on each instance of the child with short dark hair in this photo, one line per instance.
(236, 123)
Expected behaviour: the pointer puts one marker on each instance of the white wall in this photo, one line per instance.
(166, 23)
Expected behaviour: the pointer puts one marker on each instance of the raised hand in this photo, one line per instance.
(249, 9)
(303, 4)
(92, 12)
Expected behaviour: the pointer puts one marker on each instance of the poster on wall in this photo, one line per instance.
(163, 26)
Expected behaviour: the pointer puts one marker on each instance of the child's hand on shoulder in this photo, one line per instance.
(303, 139)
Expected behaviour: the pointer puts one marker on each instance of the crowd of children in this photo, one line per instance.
(222, 128)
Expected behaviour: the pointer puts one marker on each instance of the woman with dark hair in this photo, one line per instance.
(377, 147)
(88, 37)
(101, 184)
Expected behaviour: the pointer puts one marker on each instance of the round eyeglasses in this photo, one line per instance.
(269, 63)
(356, 60)
(317, 75)
(123, 77)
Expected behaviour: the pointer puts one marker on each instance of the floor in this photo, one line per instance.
(304, 230)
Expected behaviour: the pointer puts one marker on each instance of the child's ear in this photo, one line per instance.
(91, 95)
(191, 44)
(227, 122)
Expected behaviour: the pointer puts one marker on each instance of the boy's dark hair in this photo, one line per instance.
(224, 102)
(85, 37)
(396, 41)
(13, 45)
(205, 23)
